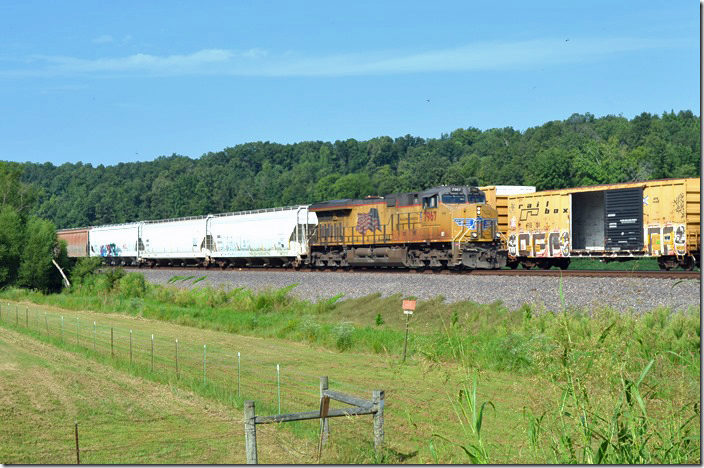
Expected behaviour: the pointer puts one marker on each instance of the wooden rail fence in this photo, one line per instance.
(360, 407)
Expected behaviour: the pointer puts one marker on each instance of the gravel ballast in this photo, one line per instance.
(626, 294)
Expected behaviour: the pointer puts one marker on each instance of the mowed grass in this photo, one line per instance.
(418, 402)
(121, 418)
(530, 419)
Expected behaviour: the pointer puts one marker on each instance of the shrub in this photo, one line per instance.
(343, 336)
(133, 285)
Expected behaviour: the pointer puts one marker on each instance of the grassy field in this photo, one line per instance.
(558, 387)
(121, 418)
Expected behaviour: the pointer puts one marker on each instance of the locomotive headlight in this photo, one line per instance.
(479, 210)
(473, 235)
(498, 235)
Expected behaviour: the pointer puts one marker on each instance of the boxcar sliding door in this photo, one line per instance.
(623, 219)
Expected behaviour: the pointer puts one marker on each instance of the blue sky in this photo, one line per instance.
(110, 82)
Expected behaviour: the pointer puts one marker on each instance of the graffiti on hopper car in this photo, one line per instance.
(110, 250)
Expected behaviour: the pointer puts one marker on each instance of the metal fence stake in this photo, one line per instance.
(278, 385)
(238, 373)
(130, 347)
(152, 352)
(204, 361)
(177, 376)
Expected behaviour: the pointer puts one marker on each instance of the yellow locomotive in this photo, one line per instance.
(442, 227)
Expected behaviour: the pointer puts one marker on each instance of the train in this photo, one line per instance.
(441, 227)
(444, 227)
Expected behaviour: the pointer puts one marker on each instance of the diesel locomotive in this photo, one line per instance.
(442, 227)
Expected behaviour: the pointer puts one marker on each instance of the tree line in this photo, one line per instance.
(581, 150)
(28, 243)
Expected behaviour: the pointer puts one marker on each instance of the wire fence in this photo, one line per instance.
(226, 373)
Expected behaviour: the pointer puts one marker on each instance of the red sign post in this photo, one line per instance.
(408, 308)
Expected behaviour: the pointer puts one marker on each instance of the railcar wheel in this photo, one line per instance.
(512, 265)
(688, 263)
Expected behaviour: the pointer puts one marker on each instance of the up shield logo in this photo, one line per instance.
(473, 223)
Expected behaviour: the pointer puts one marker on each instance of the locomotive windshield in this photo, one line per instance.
(477, 198)
(454, 198)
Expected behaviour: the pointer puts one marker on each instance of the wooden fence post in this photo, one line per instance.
(78, 457)
(324, 423)
(378, 405)
(250, 432)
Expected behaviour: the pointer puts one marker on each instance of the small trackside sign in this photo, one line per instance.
(408, 307)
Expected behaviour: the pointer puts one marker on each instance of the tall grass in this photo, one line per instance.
(610, 369)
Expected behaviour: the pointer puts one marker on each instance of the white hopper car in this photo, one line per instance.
(276, 236)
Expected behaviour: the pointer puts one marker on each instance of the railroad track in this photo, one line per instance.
(677, 274)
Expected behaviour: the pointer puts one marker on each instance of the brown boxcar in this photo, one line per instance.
(77, 240)
(658, 218)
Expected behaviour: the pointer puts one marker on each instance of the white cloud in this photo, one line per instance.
(104, 39)
(259, 62)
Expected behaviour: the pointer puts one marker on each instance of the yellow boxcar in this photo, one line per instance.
(440, 227)
(659, 218)
(497, 196)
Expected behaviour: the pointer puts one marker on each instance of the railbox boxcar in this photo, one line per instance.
(617, 222)
(497, 196)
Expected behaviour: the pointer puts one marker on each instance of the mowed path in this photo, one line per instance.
(417, 401)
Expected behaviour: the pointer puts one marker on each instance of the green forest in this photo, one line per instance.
(581, 150)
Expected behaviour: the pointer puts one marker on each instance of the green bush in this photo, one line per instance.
(133, 285)
(343, 336)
